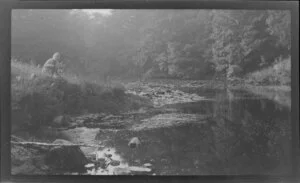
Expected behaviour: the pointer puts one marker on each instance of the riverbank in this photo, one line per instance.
(37, 99)
(42, 106)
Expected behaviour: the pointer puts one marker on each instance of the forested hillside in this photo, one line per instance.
(184, 44)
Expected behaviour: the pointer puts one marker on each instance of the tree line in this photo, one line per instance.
(185, 44)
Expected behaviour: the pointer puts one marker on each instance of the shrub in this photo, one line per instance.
(234, 70)
(277, 74)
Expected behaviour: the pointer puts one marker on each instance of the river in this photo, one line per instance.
(225, 132)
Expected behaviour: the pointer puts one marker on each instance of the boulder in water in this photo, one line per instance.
(66, 158)
(134, 142)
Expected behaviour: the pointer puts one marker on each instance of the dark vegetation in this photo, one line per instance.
(192, 44)
(37, 101)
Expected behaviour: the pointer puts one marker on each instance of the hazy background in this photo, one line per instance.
(153, 43)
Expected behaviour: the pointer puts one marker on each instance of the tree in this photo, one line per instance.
(279, 23)
(227, 35)
(169, 43)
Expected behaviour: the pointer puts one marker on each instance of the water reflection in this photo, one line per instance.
(245, 135)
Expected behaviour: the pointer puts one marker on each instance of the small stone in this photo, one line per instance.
(108, 160)
(101, 163)
(137, 161)
(100, 159)
(164, 160)
(32, 76)
(160, 93)
(18, 78)
(121, 171)
(115, 163)
(134, 142)
(62, 141)
(79, 121)
(108, 155)
(147, 165)
(61, 121)
(92, 157)
(89, 166)
(44, 167)
(139, 169)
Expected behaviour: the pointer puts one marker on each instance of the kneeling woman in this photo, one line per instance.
(51, 66)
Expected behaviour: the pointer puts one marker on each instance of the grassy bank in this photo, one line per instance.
(273, 82)
(38, 98)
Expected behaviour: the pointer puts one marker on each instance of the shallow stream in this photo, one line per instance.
(226, 133)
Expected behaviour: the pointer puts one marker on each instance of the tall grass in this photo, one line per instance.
(37, 100)
(277, 74)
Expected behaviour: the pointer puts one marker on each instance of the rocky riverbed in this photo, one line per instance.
(177, 136)
(162, 94)
(84, 129)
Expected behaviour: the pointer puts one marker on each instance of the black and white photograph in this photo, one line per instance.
(154, 92)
